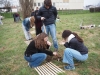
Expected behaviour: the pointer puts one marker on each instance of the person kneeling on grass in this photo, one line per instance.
(75, 48)
(37, 52)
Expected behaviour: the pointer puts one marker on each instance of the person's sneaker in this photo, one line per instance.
(29, 65)
(68, 67)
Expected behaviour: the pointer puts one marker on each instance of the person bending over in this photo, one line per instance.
(26, 25)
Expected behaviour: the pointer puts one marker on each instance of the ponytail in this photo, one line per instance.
(67, 33)
(78, 38)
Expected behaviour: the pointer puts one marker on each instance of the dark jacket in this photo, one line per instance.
(33, 13)
(76, 45)
(38, 22)
(49, 14)
(31, 49)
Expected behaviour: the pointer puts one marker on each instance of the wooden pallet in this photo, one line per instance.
(48, 69)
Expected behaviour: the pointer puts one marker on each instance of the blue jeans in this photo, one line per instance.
(26, 33)
(52, 30)
(70, 54)
(36, 59)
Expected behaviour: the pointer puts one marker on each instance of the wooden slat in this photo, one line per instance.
(56, 67)
(48, 69)
(51, 68)
(54, 73)
(38, 71)
(42, 70)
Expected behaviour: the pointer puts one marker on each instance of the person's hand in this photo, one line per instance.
(49, 43)
(55, 53)
(42, 18)
(62, 43)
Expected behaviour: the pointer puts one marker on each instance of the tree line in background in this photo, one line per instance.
(5, 4)
(26, 6)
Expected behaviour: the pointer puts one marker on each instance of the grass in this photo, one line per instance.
(7, 15)
(12, 45)
(69, 12)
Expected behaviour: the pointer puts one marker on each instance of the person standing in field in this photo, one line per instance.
(1, 17)
(48, 13)
(38, 22)
(14, 17)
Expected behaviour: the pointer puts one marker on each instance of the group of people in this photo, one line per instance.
(16, 17)
(38, 49)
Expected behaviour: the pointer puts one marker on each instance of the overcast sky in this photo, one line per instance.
(86, 2)
(14, 2)
(91, 2)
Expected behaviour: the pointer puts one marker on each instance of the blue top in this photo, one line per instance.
(26, 23)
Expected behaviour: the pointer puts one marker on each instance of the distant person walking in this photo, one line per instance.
(14, 17)
(48, 13)
(1, 17)
(26, 25)
(17, 17)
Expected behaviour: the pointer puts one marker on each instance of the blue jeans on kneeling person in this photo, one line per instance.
(35, 59)
(70, 54)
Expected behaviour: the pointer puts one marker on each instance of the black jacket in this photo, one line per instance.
(76, 45)
(49, 14)
(31, 49)
(33, 13)
(38, 22)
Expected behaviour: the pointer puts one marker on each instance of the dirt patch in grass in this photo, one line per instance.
(94, 70)
(2, 48)
(71, 73)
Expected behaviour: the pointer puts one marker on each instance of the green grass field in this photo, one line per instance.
(12, 45)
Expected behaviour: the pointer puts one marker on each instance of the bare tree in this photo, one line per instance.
(26, 7)
(1, 2)
(7, 3)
